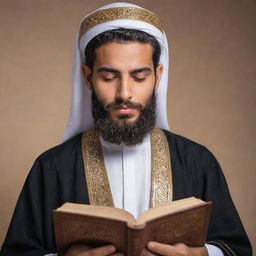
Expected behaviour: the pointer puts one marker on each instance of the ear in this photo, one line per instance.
(159, 71)
(87, 76)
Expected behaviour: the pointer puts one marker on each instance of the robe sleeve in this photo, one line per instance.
(26, 233)
(225, 230)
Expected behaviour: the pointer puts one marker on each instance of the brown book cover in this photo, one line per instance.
(182, 221)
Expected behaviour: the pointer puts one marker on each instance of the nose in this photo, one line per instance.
(124, 89)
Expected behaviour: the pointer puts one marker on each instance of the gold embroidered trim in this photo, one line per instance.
(96, 176)
(120, 13)
(95, 170)
(161, 177)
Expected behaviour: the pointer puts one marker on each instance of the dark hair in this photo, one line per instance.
(121, 35)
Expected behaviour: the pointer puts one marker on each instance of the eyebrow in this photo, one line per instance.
(106, 69)
(139, 70)
(112, 70)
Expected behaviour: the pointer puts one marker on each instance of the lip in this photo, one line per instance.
(125, 110)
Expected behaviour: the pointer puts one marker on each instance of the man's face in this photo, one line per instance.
(123, 78)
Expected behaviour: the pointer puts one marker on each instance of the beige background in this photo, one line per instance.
(212, 90)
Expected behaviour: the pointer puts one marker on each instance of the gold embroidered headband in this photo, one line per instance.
(119, 13)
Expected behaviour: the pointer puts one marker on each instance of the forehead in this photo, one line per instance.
(123, 54)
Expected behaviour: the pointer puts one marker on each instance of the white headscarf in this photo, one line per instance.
(80, 117)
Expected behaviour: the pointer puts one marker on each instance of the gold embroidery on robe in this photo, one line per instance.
(96, 175)
(161, 173)
(95, 171)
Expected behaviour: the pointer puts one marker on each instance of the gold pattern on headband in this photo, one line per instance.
(130, 13)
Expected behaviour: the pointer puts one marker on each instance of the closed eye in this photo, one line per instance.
(109, 79)
(139, 79)
(108, 76)
(141, 74)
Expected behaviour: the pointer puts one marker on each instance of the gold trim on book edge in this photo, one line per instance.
(161, 175)
(95, 171)
(120, 13)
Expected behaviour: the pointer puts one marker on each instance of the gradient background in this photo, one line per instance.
(211, 98)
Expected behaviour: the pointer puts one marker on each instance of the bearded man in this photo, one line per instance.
(117, 150)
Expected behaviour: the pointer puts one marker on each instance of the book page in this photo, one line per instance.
(98, 211)
(169, 208)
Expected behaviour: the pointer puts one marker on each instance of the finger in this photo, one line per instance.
(102, 251)
(199, 251)
(193, 251)
(163, 249)
(76, 249)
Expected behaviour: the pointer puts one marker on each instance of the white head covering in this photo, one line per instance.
(108, 17)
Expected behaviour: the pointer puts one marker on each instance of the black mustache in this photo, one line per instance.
(122, 103)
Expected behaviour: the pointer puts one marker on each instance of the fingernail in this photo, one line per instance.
(111, 248)
(151, 245)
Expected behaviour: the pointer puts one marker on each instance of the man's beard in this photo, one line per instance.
(122, 131)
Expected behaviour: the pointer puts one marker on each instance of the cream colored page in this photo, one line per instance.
(99, 211)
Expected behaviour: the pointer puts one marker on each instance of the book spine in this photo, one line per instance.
(206, 220)
(136, 240)
(58, 233)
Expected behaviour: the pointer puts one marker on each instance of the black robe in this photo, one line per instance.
(57, 176)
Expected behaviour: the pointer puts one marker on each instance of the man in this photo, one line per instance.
(122, 159)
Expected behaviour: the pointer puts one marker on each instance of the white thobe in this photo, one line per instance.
(129, 174)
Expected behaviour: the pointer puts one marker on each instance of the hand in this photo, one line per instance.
(85, 250)
(173, 250)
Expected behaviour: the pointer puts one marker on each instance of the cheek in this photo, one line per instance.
(105, 94)
(143, 94)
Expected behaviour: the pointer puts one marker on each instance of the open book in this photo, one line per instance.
(182, 221)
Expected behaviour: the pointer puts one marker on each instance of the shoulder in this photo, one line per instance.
(63, 151)
(183, 143)
(187, 150)
(193, 163)
(56, 167)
